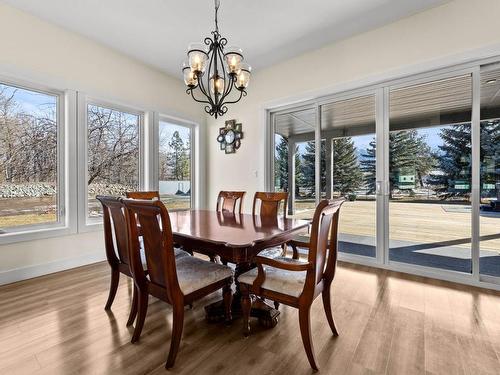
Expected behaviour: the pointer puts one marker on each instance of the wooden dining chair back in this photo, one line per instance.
(116, 246)
(297, 283)
(269, 203)
(149, 195)
(177, 281)
(156, 231)
(228, 200)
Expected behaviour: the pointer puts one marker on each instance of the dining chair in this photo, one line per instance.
(227, 201)
(116, 247)
(179, 281)
(267, 206)
(297, 283)
(226, 205)
(151, 195)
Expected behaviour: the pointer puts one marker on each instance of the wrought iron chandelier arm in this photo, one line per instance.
(190, 91)
(203, 90)
(228, 89)
(242, 94)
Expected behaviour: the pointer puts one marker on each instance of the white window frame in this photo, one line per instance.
(66, 160)
(381, 86)
(86, 224)
(194, 144)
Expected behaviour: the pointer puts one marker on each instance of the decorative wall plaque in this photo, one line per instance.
(230, 137)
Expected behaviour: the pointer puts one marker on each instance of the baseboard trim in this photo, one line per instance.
(24, 273)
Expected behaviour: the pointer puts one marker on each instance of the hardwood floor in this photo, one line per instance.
(389, 323)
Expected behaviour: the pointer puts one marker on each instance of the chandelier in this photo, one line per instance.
(213, 72)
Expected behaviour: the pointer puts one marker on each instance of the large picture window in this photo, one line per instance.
(113, 167)
(174, 165)
(29, 129)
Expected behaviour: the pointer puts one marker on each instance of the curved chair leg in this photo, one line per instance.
(177, 326)
(115, 279)
(133, 308)
(295, 251)
(328, 310)
(228, 297)
(246, 306)
(305, 331)
(141, 316)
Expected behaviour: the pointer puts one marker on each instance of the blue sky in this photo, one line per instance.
(167, 130)
(30, 101)
(362, 142)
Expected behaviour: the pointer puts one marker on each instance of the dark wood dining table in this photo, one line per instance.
(235, 238)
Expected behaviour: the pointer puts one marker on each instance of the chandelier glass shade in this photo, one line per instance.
(214, 73)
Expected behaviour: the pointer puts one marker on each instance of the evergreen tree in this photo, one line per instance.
(408, 153)
(308, 167)
(281, 165)
(490, 158)
(347, 174)
(178, 160)
(454, 160)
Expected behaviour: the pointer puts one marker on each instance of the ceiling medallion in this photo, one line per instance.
(214, 70)
(230, 137)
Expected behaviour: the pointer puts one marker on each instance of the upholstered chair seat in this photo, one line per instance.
(278, 280)
(272, 252)
(194, 273)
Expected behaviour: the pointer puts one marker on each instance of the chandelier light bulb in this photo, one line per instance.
(243, 77)
(190, 78)
(217, 85)
(234, 57)
(197, 57)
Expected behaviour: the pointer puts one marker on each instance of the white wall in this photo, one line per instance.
(440, 35)
(37, 51)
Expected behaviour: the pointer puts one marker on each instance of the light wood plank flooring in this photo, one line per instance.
(389, 323)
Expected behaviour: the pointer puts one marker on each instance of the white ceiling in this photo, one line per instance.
(157, 32)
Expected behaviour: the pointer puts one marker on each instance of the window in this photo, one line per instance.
(30, 183)
(113, 154)
(175, 165)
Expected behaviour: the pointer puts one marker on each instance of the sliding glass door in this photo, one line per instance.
(348, 169)
(489, 261)
(417, 160)
(430, 174)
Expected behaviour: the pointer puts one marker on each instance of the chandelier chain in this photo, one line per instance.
(217, 5)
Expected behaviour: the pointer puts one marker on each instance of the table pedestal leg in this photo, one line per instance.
(267, 315)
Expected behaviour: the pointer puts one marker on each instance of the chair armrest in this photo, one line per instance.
(288, 266)
(299, 243)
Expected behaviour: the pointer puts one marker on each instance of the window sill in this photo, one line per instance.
(35, 234)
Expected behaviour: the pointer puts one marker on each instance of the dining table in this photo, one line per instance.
(235, 238)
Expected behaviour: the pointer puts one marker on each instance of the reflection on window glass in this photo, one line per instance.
(113, 154)
(175, 165)
(28, 157)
